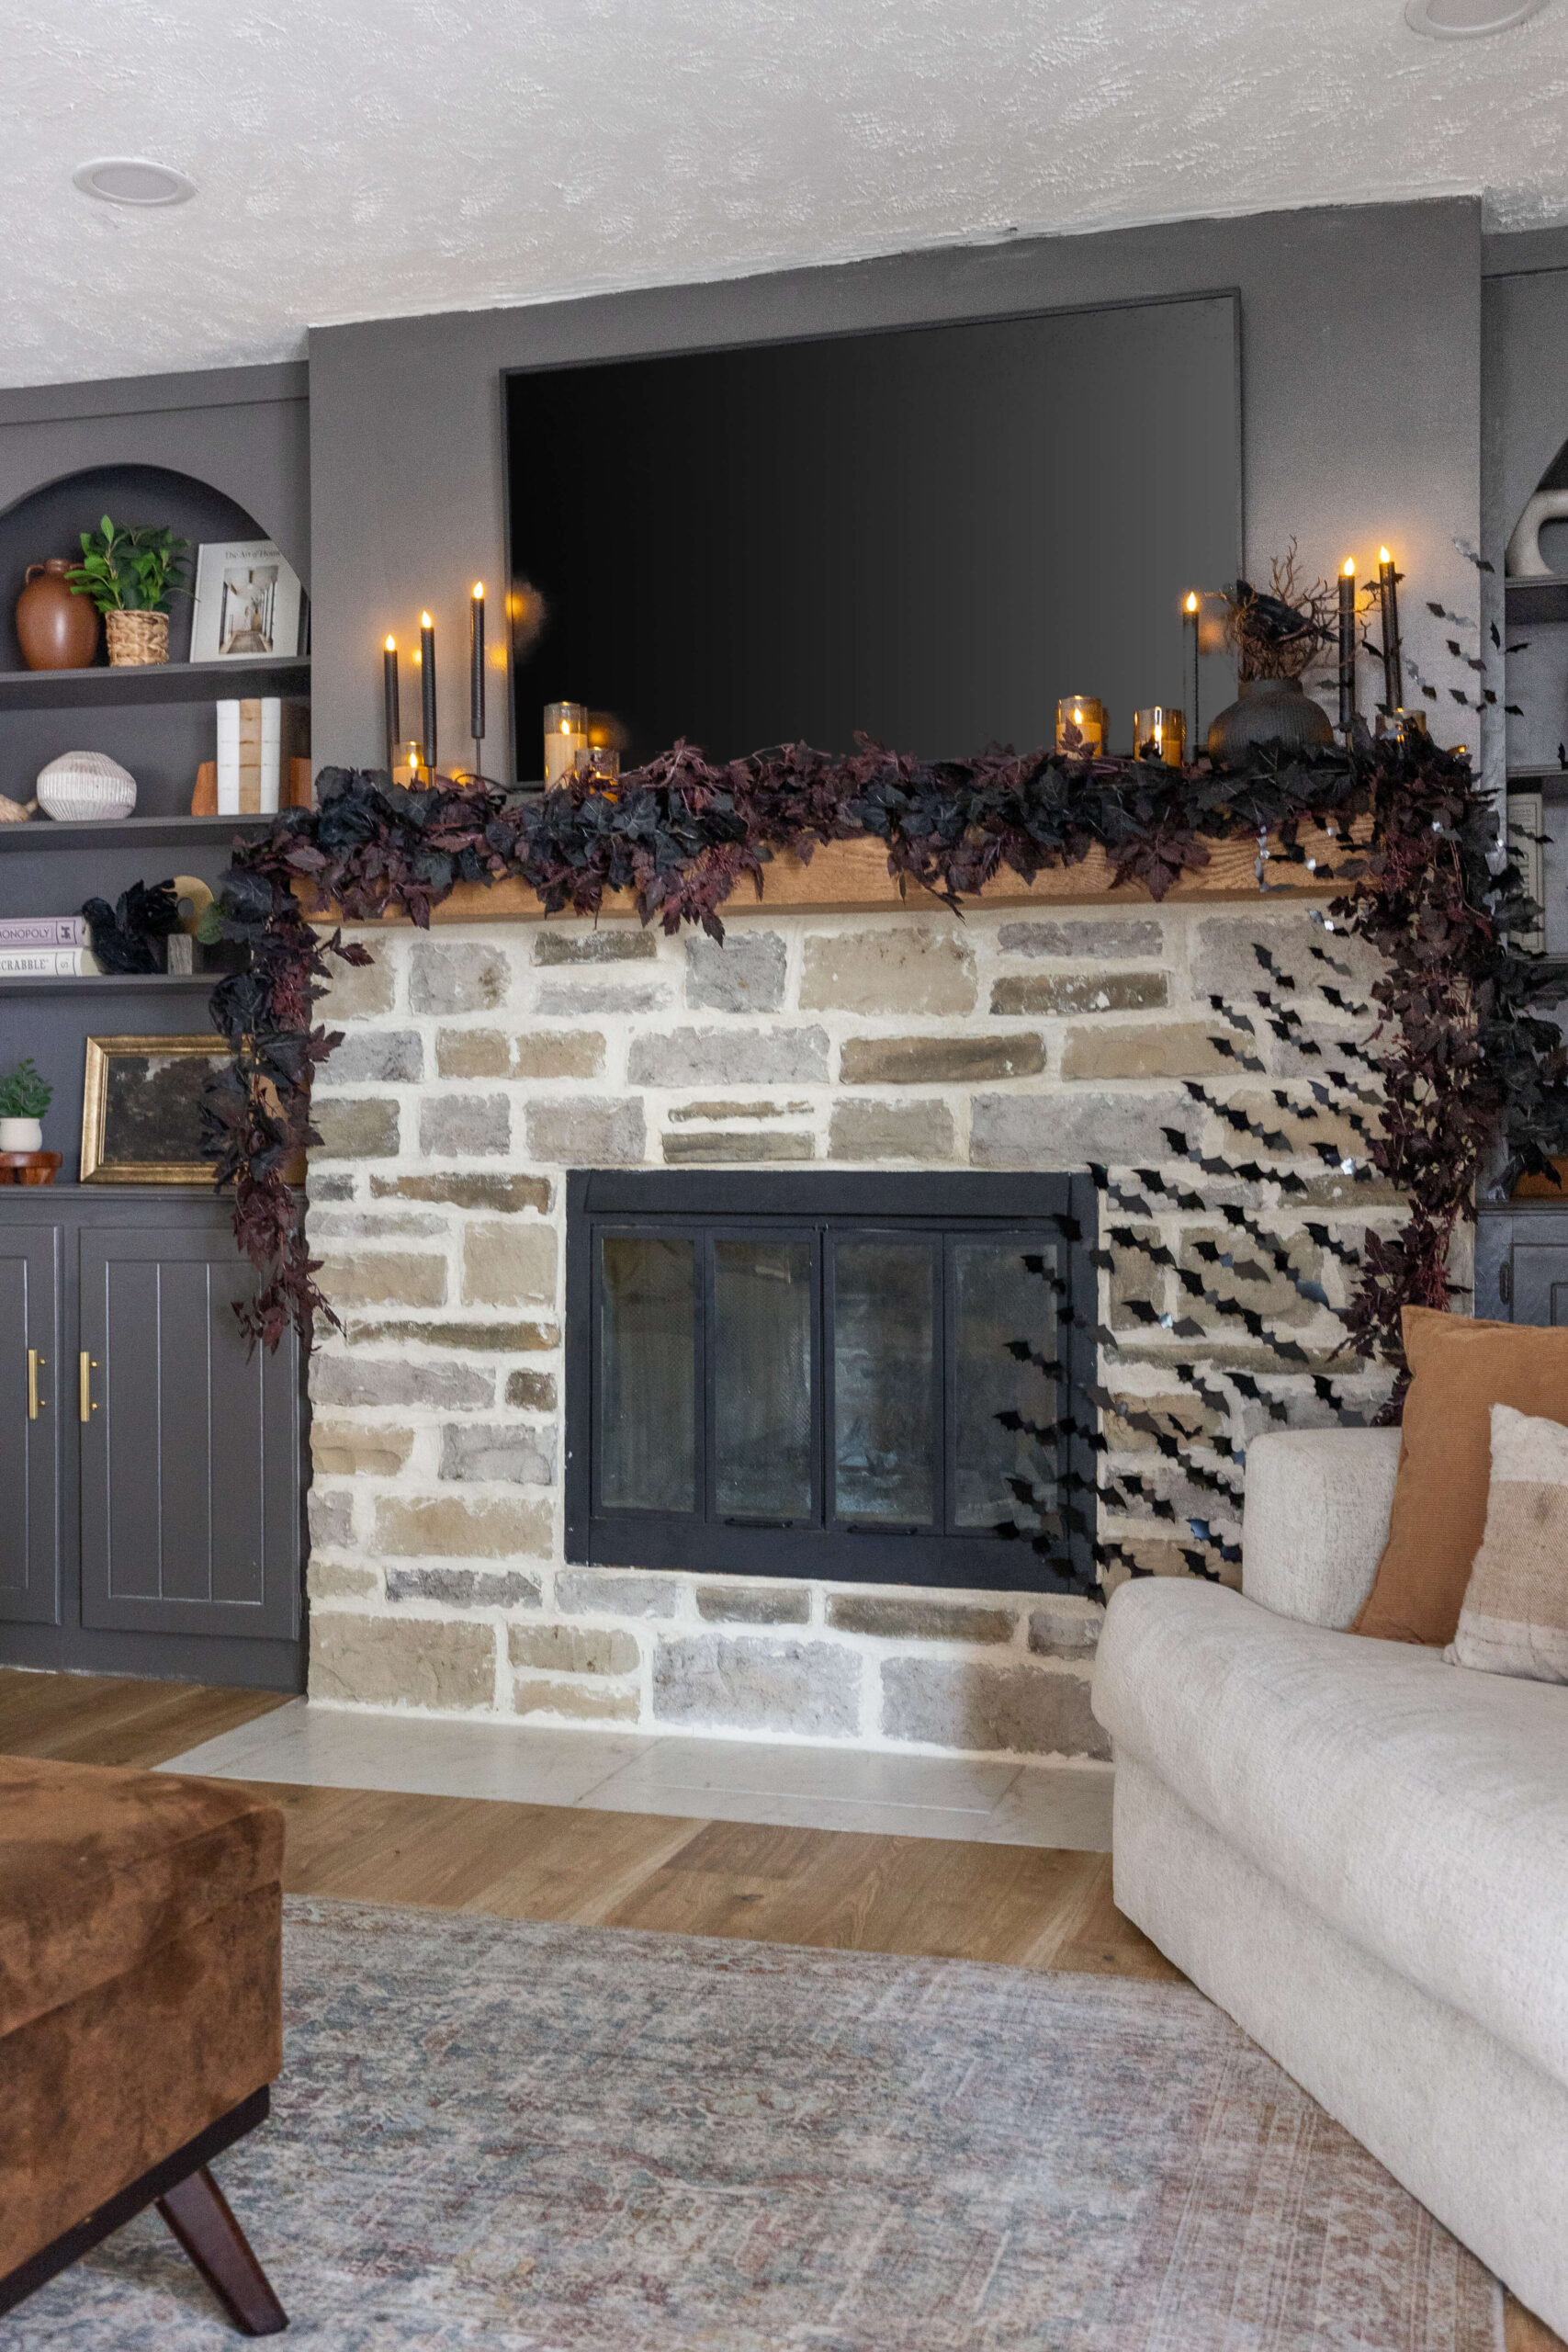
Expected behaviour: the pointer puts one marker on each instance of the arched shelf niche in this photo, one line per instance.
(49, 520)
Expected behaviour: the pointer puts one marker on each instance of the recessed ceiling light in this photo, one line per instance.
(1467, 20)
(128, 179)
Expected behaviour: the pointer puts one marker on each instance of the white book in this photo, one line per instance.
(229, 759)
(44, 931)
(271, 752)
(46, 963)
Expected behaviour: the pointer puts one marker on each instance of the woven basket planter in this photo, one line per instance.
(137, 641)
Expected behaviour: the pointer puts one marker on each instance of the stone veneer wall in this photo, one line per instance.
(478, 1063)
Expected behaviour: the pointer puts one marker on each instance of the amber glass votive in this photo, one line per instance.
(566, 734)
(600, 761)
(1160, 733)
(1084, 714)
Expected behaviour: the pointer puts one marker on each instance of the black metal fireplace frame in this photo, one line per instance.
(1061, 1205)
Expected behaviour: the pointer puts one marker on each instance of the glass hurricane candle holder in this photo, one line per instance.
(1160, 733)
(566, 734)
(1081, 726)
(600, 761)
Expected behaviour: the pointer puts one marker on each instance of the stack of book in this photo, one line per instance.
(45, 947)
(255, 741)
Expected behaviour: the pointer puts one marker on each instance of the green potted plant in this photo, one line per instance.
(24, 1099)
(132, 574)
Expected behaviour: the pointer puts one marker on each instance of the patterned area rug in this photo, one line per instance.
(554, 2139)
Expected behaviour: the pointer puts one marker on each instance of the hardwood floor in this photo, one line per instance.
(839, 1890)
(113, 1719)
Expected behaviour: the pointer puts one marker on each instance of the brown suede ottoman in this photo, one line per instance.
(140, 1939)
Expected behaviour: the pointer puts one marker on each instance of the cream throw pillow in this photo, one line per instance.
(1515, 1617)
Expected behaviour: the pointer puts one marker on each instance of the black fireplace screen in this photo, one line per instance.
(853, 1376)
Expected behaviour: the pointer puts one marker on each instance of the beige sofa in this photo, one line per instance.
(1358, 1851)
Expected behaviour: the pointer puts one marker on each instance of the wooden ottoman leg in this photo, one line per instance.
(198, 2212)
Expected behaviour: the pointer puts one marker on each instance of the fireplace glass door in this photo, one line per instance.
(831, 1388)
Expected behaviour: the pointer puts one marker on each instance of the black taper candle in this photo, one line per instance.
(476, 669)
(1189, 609)
(427, 687)
(1393, 656)
(393, 717)
(1348, 648)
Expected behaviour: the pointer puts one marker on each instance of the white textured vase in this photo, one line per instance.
(21, 1135)
(81, 785)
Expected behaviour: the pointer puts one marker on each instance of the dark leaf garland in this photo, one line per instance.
(1462, 1068)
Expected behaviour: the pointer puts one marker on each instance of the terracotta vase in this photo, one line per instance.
(55, 629)
(1269, 711)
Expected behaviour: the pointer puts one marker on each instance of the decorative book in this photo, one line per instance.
(47, 963)
(44, 931)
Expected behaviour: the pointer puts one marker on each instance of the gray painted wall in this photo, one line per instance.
(1361, 408)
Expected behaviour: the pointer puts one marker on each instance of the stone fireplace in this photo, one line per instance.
(460, 1563)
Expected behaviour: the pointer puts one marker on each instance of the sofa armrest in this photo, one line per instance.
(1316, 1519)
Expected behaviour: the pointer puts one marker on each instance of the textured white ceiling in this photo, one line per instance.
(365, 158)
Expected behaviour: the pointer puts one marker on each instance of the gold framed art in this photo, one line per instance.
(140, 1109)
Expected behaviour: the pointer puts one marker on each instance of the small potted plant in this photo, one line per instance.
(132, 575)
(24, 1099)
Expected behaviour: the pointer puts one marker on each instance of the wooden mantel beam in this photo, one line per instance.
(852, 877)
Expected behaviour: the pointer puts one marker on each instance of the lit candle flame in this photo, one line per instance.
(391, 645)
(1384, 556)
(1191, 606)
(565, 727)
(1349, 567)
(1077, 716)
(425, 621)
(479, 592)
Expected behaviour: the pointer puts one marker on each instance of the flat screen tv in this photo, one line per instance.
(927, 534)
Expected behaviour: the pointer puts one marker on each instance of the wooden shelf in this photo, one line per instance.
(140, 832)
(852, 877)
(107, 983)
(250, 674)
(1536, 600)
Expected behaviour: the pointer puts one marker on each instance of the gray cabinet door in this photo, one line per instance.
(1541, 1281)
(30, 1394)
(189, 1443)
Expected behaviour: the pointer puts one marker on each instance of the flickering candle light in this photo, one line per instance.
(1190, 623)
(1160, 733)
(566, 734)
(476, 669)
(1083, 718)
(393, 725)
(1392, 659)
(1348, 646)
(427, 687)
(601, 761)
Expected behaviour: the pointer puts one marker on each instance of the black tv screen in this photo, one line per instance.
(926, 534)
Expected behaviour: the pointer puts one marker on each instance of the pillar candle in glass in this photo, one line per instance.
(428, 685)
(1083, 714)
(1160, 733)
(1348, 646)
(566, 734)
(476, 669)
(392, 721)
(600, 761)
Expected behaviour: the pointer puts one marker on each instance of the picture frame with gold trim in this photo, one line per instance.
(140, 1109)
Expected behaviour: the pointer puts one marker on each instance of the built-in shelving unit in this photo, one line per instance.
(130, 832)
(1535, 601)
(166, 682)
(107, 984)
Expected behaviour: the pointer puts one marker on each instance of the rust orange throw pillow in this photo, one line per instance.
(1459, 1369)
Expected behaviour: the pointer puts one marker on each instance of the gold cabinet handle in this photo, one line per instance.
(86, 1366)
(34, 1360)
